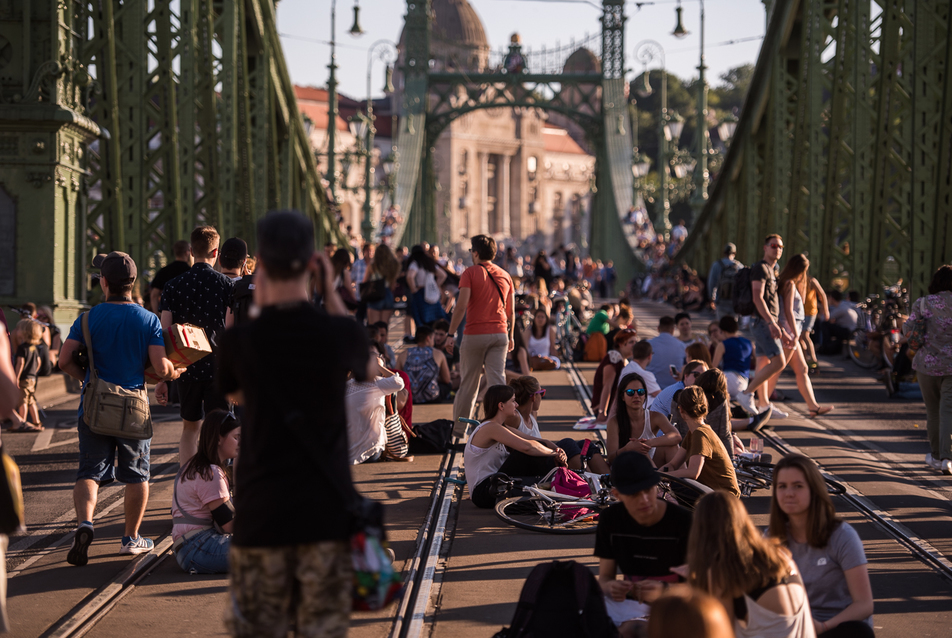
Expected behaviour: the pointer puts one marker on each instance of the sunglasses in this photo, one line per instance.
(540, 392)
(780, 246)
(630, 392)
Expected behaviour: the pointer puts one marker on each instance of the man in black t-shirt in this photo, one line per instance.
(183, 261)
(767, 334)
(199, 297)
(290, 558)
(642, 537)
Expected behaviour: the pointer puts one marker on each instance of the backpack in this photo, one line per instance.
(725, 285)
(743, 294)
(560, 599)
(241, 299)
(596, 347)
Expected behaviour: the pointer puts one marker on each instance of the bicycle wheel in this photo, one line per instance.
(860, 352)
(684, 492)
(538, 515)
(753, 475)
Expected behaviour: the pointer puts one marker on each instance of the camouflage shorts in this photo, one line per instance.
(300, 588)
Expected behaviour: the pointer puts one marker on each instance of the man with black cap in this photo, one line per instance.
(199, 297)
(720, 281)
(290, 562)
(125, 338)
(183, 261)
(642, 537)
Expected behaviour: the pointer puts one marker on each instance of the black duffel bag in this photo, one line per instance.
(435, 437)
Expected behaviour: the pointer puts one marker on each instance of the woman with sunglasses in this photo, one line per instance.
(202, 509)
(635, 428)
(529, 395)
(495, 448)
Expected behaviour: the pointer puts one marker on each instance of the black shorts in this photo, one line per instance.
(198, 397)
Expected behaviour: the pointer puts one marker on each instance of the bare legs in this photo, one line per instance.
(86, 494)
(188, 445)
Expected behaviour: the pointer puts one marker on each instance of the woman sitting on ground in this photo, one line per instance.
(603, 390)
(827, 550)
(753, 576)
(202, 509)
(702, 457)
(635, 428)
(366, 413)
(517, 359)
(529, 395)
(494, 448)
(541, 342)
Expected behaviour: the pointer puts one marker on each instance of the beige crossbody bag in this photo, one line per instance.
(110, 409)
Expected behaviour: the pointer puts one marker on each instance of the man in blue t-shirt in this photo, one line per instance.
(125, 339)
(668, 351)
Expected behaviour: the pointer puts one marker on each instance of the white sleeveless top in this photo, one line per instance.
(481, 462)
(763, 623)
(798, 315)
(539, 347)
(531, 428)
(647, 434)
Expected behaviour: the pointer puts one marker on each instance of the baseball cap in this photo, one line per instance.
(116, 267)
(730, 249)
(633, 472)
(285, 243)
(234, 248)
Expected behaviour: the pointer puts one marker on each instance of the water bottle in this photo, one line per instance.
(756, 448)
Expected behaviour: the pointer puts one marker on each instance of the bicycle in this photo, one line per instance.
(877, 335)
(568, 329)
(756, 475)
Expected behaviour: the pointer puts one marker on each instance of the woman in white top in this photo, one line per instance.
(634, 428)
(754, 577)
(541, 342)
(202, 510)
(827, 550)
(486, 451)
(425, 279)
(791, 284)
(529, 395)
(366, 412)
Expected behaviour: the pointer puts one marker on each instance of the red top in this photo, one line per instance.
(486, 312)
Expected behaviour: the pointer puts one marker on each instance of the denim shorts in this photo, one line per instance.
(205, 553)
(808, 323)
(767, 346)
(97, 458)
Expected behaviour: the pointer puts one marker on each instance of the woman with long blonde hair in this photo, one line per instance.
(385, 266)
(792, 284)
(754, 577)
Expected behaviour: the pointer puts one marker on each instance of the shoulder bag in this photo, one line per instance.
(502, 299)
(108, 408)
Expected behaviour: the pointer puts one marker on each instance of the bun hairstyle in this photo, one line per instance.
(693, 402)
(525, 387)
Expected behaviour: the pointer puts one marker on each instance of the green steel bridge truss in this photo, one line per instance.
(126, 123)
(596, 101)
(845, 144)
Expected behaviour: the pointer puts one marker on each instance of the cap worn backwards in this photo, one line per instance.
(116, 267)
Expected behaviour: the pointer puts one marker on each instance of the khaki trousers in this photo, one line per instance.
(475, 353)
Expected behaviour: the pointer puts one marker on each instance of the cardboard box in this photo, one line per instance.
(184, 345)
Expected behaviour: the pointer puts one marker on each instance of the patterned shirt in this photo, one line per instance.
(357, 272)
(200, 297)
(934, 358)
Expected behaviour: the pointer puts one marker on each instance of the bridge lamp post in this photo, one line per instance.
(389, 165)
(355, 31)
(386, 51)
(703, 146)
(640, 165)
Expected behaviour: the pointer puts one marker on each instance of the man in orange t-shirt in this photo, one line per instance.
(487, 300)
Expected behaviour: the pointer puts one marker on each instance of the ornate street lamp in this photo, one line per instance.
(647, 52)
(355, 30)
(386, 51)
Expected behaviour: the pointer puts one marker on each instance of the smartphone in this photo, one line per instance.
(673, 370)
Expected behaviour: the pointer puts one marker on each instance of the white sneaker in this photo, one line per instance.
(748, 402)
(777, 413)
(933, 462)
(946, 466)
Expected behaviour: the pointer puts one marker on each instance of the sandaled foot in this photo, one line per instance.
(821, 411)
(27, 427)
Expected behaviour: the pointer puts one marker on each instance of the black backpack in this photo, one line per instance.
(241, 299)
(560, 599)
(725, 285)
(743, 296)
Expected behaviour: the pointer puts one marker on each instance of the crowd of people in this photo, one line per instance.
(666, 404)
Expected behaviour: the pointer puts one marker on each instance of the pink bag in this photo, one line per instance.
(569, 483)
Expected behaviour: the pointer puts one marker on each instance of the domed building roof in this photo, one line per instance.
(456, 22)
(582, 61)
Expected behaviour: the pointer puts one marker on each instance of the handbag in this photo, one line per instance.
(397, 442)
(431, 290)
(11, 497)
(376, 584)
(373, 291)
(108, 408)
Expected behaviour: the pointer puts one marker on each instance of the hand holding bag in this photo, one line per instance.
(108, 408)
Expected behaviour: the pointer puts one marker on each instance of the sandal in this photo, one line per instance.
(821, 411)
(27, 427)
